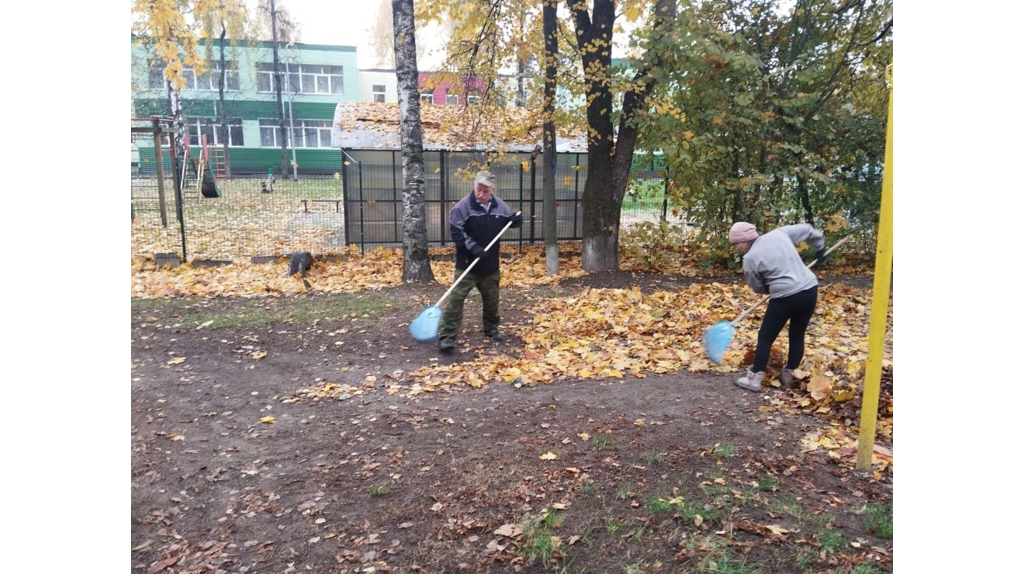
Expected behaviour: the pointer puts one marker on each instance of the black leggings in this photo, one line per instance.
(797, 309)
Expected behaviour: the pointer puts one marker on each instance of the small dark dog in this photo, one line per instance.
(300, 262)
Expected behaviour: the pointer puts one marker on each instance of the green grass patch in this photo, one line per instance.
(235, 313)
(538, 544)
(603, 441)
(879, 519)
(725, 450)
(767, 482)
(789, 506)
(637, 533)
(832, 540)
(711, 555)
(613, 526)
(662, 505)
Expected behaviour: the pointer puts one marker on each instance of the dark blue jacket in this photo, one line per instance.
(473, 226)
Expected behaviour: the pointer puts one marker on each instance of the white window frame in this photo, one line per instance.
(321, 79)
(319, 130)
(192, 79)
(275, 130)
(427, 97)
(196, 124)
(448, 99)
(382, 92)
(472, 99)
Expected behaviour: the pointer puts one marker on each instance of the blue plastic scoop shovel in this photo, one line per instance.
(718, 337)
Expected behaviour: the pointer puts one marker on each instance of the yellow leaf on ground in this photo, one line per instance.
(260, 355)
(176, 361)
(819, 387)
(548, 456)
(776, 529)
(268, 420)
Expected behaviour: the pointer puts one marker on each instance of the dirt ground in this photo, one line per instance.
(243, 465)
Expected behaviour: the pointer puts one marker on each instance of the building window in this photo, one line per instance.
(207, 81)
(473, 99)
(302, 78)
(451, 99)
(270, 133)
(427, 98)
(306, 133)
(378, 93)
(312, 133)
(210, 127)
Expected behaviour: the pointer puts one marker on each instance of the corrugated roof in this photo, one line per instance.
(374, 125)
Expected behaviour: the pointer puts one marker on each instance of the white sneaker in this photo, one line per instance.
(751, 381)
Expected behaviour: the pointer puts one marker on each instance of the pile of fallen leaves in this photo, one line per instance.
(608, 333)
(840, 444)
(612, 333)
(382, 267)
(373, 270)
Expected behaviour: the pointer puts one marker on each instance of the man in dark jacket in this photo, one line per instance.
(474, 222)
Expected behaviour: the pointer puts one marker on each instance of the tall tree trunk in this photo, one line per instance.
(278, 85)
(600, 212)
(805, 199)
(550, 207)
(415, 256)
(174, 104)
(224, 129)
(608, 161)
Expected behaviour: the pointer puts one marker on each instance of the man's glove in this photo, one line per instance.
(819, 257)
(516, 219)
(478, 252)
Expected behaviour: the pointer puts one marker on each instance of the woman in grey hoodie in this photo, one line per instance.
(772, 266)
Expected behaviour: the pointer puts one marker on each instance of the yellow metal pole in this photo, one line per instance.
(879, 307)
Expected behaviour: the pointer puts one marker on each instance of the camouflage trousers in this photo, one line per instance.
(451, 321)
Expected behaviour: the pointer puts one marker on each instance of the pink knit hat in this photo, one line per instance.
(742, 231)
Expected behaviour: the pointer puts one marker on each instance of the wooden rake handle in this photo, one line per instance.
(750, 310)
(475, 261)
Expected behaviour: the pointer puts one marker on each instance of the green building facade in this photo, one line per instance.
(316, 78)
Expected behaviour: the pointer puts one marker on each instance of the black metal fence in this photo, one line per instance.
(373, 208)
(206, 215)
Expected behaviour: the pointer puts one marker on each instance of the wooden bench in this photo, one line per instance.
(336, 202)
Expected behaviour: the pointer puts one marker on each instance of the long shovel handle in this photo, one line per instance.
(750, 310)
(473, 264)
